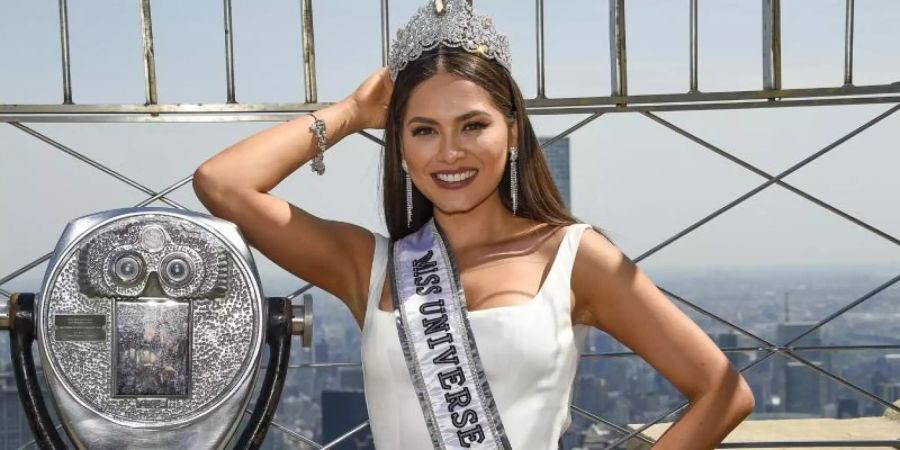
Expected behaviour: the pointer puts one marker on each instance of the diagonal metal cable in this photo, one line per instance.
(671, 411)
(764, 174)
(844, 309)
(32, 442)
(773, 349)
(303, 289)
(756, 349)
(47, 256)
(346, 435)
(789, 351)
(774, 179)
(598, 419)
(290, 433)
(571, 129)
(768, 183)
(324, 365)
(93, 163)
(371, 137)
(311, 442)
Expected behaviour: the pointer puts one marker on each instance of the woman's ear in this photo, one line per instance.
(513, 134)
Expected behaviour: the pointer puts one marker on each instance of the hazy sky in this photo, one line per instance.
(637, 180)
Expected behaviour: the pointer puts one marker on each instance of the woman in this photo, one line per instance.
(505, 263)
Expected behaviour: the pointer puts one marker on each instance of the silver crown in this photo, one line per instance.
(451, 23)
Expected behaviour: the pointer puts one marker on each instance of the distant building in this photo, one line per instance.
(341, 412)
(730, 340)
(804, 390)
(886, 377)
(847, 408)
(889, 366)
(14, 429)
(557, 155)
(351, 378)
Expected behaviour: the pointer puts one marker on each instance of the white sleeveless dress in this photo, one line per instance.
(529, 352)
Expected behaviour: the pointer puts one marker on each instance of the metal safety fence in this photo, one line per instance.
(771, 96)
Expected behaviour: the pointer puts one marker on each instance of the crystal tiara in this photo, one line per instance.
(451, 23)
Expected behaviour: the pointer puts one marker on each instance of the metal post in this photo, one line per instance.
(309, 51)
(693, 45)
(149, 59)
(4, 314)
(772, 44)
(385, 33)
(541, 64)
(229, 52)
(618, 63)
(64, 50)
(848, 44)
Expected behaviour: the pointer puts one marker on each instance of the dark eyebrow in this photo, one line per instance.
(468, 115)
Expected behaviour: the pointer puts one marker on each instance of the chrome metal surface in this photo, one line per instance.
(541, 59)
(771, 44)
(96, 405)
(694, 54)
(385, 32)
(149, 56)
(309, 52)
(229, 53)
(302, 321)
(64, 51)
(4, 314)
(848, 43)
(618, 64)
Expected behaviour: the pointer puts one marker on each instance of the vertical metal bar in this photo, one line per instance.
(541, 64)
(229, 52)
(385, 33)
(848, 44)
(309, 51)
(771, 44)
(618, 63)
(693, 44)
(4, 315)
(64, 43)
(149, 59)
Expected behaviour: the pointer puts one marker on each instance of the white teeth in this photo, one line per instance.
(456, 177)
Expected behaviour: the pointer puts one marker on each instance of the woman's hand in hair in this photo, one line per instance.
(370, 100)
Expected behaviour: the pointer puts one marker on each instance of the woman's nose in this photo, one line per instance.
(450, 151)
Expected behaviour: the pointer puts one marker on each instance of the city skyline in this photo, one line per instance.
(775, 264)
(631, 177)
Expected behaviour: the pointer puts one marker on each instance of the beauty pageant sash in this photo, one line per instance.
(438, 344)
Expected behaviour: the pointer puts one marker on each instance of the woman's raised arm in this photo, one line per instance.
(235, 183)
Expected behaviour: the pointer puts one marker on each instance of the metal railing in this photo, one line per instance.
(771, 96)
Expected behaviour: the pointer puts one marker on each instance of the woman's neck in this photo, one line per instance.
(489, 222)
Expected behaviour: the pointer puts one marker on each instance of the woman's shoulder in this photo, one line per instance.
(382, 245)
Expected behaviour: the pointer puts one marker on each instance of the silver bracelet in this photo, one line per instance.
(318, 129)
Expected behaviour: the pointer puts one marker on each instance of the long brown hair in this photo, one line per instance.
(539, 199)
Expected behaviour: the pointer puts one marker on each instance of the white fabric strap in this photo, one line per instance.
(438, 344)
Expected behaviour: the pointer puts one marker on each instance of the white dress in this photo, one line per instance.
(529, 352)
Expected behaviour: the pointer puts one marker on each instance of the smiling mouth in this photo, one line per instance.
(455, 177)
(454, 180)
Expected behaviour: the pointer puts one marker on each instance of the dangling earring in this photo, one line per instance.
(409, 202)
(514, 178)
